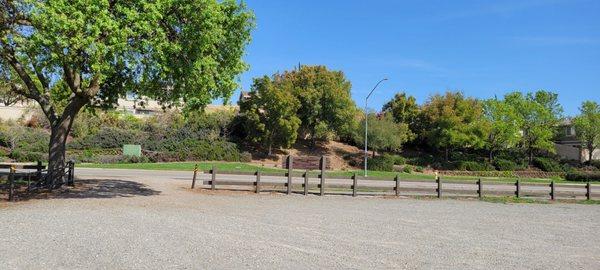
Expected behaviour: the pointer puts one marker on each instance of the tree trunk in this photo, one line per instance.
(491, 155)
(530, 157)
(58, 139)
(447, 153)
(270, 149)
(590, 153)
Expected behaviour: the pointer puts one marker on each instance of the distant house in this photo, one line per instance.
(568, 146)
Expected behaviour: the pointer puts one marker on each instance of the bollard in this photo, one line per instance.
(518, 189)
(11, 184)
(439, 188)
(552, 191)
(257, 182)
(354, 185)
(397, 188)
(479, 188)
(588, 193)
(213, 178)
(39, 171)
(194, 177)
(306, 182)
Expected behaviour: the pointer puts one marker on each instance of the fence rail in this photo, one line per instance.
(320, 183)
(32, 178)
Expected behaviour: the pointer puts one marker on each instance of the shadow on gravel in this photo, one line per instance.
(93, 188)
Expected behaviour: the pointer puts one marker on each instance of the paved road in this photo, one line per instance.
(151, 220)
(572, 191)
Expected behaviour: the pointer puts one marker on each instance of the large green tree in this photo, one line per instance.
(503, 126)
(383, 133)
(587, 126)
(404, 109)
(454, 121)
(538, 115)
(269, 113)
(69, 54)
(326, 107)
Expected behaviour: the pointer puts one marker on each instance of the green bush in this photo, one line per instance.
(419, 169)
(548, 165)
(506, 165)
(595, 163)
(22, 156)
(398, 160)
(110, 137)
(407, 169)
(583, 176)
(474, 166)
(381, 163)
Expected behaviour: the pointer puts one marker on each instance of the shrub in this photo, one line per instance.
(398, 160)
(595, 163)
(547, 164)
(583, 176)
(506, 165)
(245, 157)
(474, 166)
(419, 169)
(381, 163)
(407, 169)
(109, 137)
(23, 156)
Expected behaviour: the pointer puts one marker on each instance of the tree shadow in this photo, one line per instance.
(92, 188)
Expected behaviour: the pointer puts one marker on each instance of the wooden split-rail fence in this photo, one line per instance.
(300, 182)
(30, 175)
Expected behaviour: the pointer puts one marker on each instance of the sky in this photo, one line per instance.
(482, 48)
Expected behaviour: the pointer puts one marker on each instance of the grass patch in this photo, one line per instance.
(249, 167)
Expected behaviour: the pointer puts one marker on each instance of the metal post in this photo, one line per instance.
(552, 191)
(194, 178)
(397, 188)
(366, 122)
(213, 178)
(518, 189)
(479, 188)
(354, 185)
(306, 182)
(289, 182)
(11, 184)
(323, 165)
(257, 182)
(439, 187)
(588, 193)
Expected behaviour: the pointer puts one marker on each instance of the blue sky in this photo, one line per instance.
(483, 48)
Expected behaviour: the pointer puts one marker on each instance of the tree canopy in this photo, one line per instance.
(404, 109)
(67, 54)
(269, 113)
(383, 133)
(587, 126)
(454, 121)
(502, 124)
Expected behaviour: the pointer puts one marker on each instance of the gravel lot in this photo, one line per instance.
(136, 223)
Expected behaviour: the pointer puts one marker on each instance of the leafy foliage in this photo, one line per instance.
(503, 126)
(454, 121)
(587, 126)
(383, 133)
(269, 114)
(404, 109)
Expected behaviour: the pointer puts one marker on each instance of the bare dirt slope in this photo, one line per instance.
(336, 151)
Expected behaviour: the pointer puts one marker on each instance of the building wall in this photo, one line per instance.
(585, 154)
(568, 151)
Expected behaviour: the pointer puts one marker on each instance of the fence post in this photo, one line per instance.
(439, 187)
(397, 188)
(39, 171)
(354, 185)
(306, 182)
(11, 184)
(71, 177)
(323, 165)
(552, 191)
(213, 177)
(518, 189)
(194, 178)
(588, 193)
(257, 182)
(289, 182)
(479, 188)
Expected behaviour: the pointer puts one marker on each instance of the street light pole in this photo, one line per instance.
(367, 124)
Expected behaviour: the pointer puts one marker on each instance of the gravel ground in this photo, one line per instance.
(136, 223)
